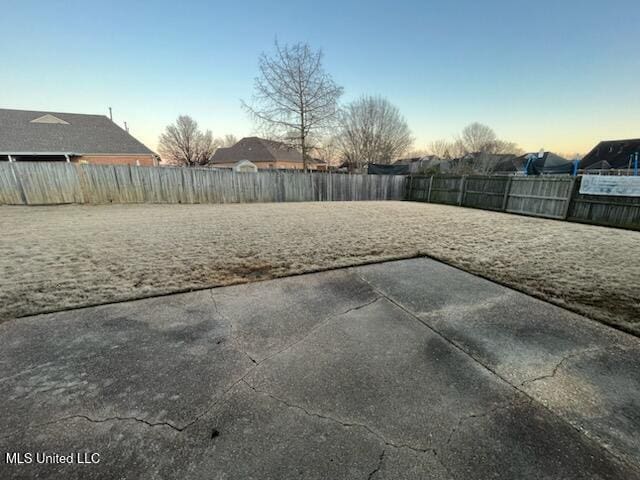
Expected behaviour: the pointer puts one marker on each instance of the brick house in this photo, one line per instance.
(72, 137)
(264, 154)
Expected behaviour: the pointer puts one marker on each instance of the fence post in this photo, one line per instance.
(430, 185)
(572, 191)
(507, 190)
(410, 187)
(462, 190)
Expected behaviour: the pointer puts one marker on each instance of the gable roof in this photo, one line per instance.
(614, 152)
(257, 149)
(28, 131)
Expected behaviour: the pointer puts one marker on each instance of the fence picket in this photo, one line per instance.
(547, 196)
(48, 183)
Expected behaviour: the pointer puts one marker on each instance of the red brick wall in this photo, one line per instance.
(142, 160)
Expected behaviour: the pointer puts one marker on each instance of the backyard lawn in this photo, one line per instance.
(59, 257)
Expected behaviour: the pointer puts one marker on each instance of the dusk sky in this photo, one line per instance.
(558, 74)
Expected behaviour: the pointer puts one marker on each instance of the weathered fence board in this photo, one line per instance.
(550, 197)
(445, 189)
(46, 183)
(606, 210)
(99, 184)
(540, 196)
(10, 188)
(43, 183)
(485, 192)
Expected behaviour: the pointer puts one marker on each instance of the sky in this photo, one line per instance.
(555, 74)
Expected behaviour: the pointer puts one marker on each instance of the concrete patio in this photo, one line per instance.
(409, 369)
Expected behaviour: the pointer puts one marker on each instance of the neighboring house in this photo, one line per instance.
(264, 154)
(245, 166)
(539, 163)
(73, 137)
(611, 154)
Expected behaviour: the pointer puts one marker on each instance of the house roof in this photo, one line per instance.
(543, 162)
(33, 132)
(258, 150)
(615, 152)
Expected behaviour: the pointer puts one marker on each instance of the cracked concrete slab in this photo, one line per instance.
(525, 441)
(121, 360)
(377, 366)
(247, 436)
(597, 391)
(526, 341)
(268, 316)
(380, 372)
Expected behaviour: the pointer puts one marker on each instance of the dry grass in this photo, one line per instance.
(58, 257)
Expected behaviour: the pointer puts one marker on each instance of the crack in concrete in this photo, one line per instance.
(97, 420)
(510, 403)
(314, 329)
(123, 419)
(343, 423)
(378, 467)
(561, 363)
(230, 323)
(269, 357)
(517, 388)
(256, 364)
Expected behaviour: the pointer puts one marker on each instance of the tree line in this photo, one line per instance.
(297, 102)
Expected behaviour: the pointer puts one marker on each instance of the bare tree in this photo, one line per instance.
(477, 137)
(294, 97)
(476, 150)
(444, 149)
(372, 130)
(184, 144)
(227, 141)
(328, 150)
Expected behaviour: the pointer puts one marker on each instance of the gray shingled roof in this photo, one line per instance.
(615, 153)
(255, 150)
(81, 134)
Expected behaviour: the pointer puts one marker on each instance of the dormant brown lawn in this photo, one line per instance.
(58, 257)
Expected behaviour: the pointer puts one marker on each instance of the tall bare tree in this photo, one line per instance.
(372, 130)
(476, 150)
(479, 138)
(184, 144)
(294, 97)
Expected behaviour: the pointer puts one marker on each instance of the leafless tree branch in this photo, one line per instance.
(294, 97)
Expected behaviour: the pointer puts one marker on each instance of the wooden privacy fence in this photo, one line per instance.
(33, 183)
(546, 196)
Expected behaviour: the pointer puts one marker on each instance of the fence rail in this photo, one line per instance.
(549, 197)
(33, 183)
(46, 183)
